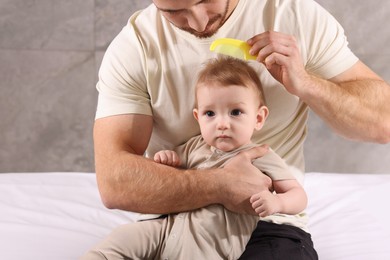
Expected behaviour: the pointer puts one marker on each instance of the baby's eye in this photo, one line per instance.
(236, 112)
(209, 113)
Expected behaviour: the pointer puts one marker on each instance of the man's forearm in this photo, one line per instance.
(131, 182)
(357, 110)
(128, 181)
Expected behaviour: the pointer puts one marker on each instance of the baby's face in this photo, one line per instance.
(227, 115)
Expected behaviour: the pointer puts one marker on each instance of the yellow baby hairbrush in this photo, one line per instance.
(232, 47)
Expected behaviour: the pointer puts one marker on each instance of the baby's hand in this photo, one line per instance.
(167, 157)
(265, 203)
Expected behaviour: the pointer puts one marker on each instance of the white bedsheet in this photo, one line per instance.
(59, 215)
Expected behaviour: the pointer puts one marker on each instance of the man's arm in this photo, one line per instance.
(128, 181)
(355, 103)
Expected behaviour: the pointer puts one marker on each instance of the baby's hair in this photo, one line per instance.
(227, 71)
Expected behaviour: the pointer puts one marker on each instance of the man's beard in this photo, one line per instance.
(220, 19)
(206, 33)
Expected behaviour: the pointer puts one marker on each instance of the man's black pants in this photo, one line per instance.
(279, 242)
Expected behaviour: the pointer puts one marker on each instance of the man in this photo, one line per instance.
(146, 97)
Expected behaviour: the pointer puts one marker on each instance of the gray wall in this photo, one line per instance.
(50, 51)
(366, 25)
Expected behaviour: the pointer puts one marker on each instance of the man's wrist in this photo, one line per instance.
(208, 184)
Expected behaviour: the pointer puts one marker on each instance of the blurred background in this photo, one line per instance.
(50, 52)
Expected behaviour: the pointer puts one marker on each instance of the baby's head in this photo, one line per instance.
(230, 103)
(227, 71)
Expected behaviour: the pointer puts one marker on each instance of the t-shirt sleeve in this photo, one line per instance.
(274, 166)
(122, 83)
(328, 53)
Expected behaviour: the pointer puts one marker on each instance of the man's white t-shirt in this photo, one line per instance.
(151, 66)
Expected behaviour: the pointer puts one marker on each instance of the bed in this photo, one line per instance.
(60, 215)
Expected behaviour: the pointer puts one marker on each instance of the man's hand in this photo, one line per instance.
(242, 180)
(281, 56)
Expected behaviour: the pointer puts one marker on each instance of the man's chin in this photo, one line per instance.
(211, 29)
(201, 35)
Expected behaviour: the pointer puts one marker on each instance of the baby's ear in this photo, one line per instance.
(195, 113)
(262, 114)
